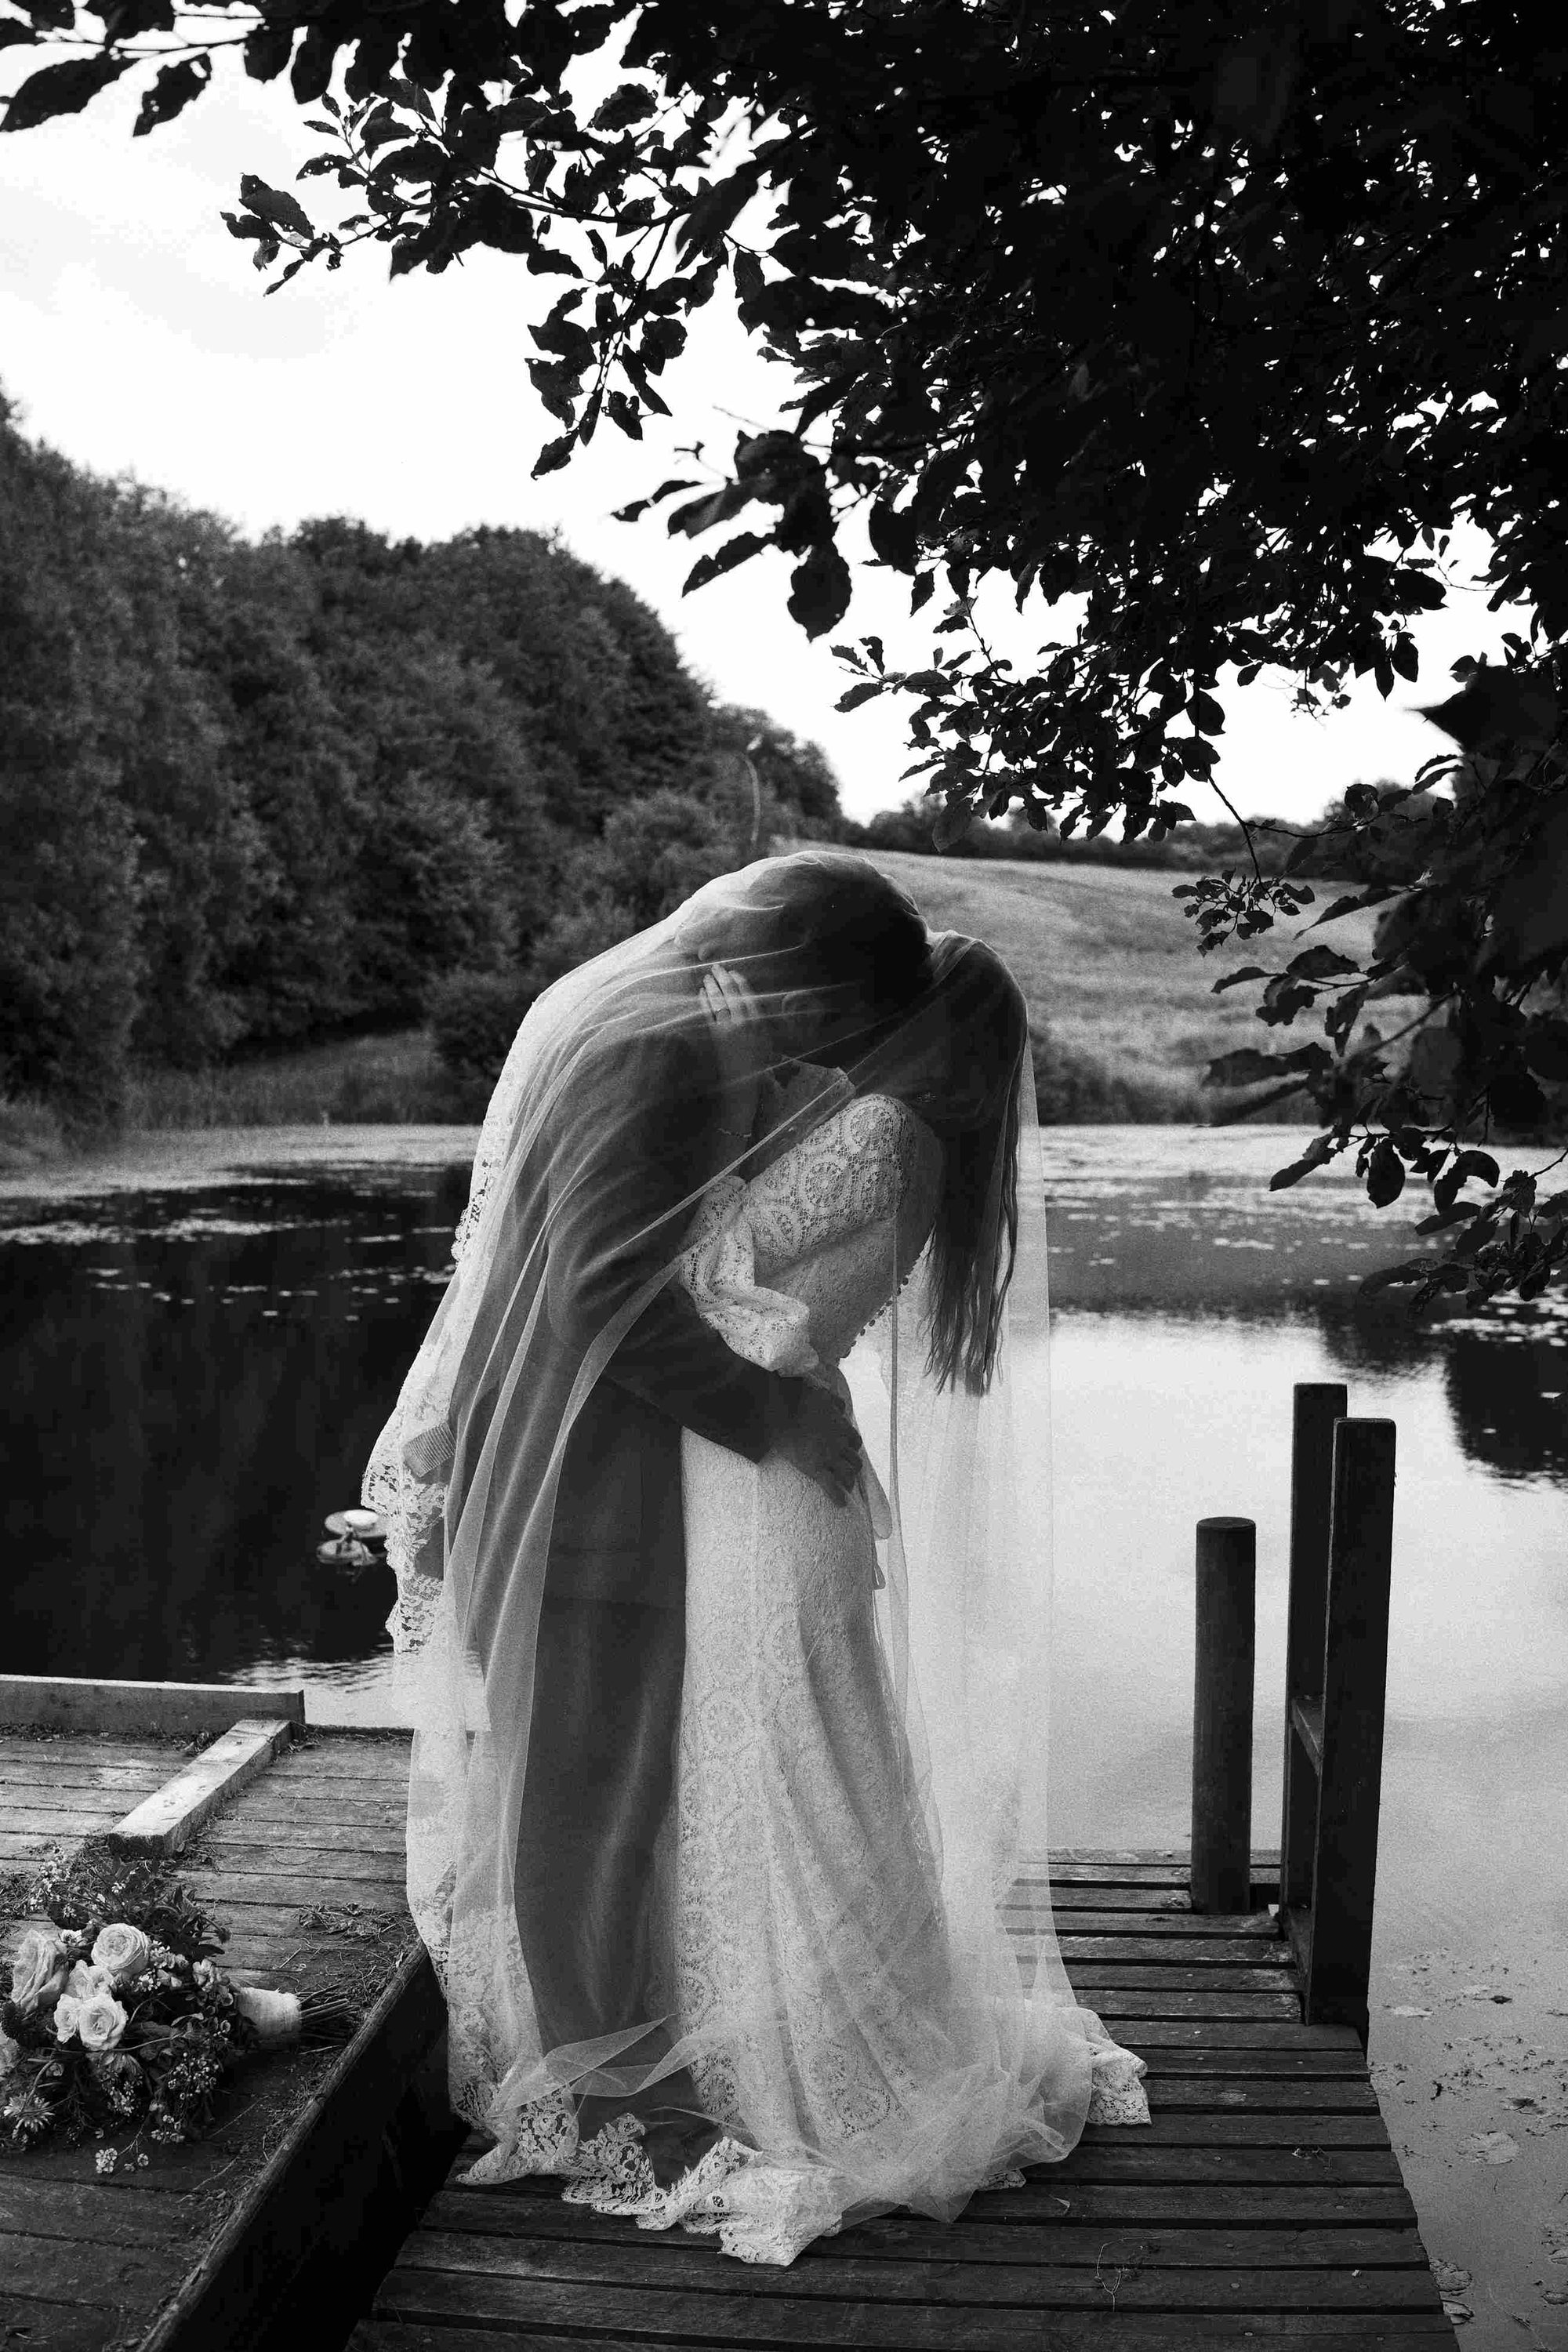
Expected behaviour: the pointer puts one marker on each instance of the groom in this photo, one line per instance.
(836, 950)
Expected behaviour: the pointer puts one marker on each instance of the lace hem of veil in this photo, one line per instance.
(760, 2211)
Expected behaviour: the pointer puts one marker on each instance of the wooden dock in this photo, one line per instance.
(1263, 2201)
(272, 2231)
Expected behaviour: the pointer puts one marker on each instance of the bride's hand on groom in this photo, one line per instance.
(815, 1432)
(741, 1040)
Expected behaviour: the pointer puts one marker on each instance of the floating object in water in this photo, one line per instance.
(360, 1540)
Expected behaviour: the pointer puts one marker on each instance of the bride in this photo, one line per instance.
(803, 1988)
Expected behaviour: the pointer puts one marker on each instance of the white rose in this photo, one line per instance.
(84, 1980)
(100, 2022)
(38, 1970)
(120, 1952)
(66, 2010)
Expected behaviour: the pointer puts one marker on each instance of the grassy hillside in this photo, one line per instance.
(1121, 1003)
(1122, 1006)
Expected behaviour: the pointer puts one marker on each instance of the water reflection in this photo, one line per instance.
(192, 1387)
(195, 1375)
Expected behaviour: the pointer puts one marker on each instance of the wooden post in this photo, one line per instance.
(1337, 1958)
(1221, 1715)
(1318, 1405)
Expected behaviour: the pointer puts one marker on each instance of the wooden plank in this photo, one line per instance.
(296, 1891)
(165, 1822)
(1243, 2032)
(487, 2265)
(50, 2327)
(322, 2170)
(53, 1782)
(78, 2209)
(76, 1703)
(1217, 2005)
(24, 1844)
(1147, 1974)
(259, 1822)
(1169, 2332)
(912, 2238)
(117, 2278)
(1257, 1929)
(20, 1750)
(1264, 1857)
(329, 1755)
(1157, 1956)
(1296, 2099)
(1055, 2195)
(1096, 1898)
(1232, 2127)
(236, 1849)
(1140, 2156)
(781, 2307)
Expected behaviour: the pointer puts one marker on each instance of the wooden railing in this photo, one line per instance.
(1336, 1664)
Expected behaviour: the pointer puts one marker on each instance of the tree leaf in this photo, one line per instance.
(171, 90)
(1317, 1155)
(1244, 1067)
(60, 90)
(628, 102)
(1411, 1269)
(267, 49)
(893, 536)
(275, 204)
(739, 550)
(555, 454)
(13, 34)
(1349, 906)
(856, 694)
(1320, 963)
(1385, 1174)
(1234, 979)
(952, 823)
(819, 591)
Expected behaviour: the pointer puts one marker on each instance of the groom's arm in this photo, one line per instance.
(624, 1197)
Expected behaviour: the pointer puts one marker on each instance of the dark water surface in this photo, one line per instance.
(200, 1345)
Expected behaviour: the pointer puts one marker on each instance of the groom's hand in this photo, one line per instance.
(818, 1436)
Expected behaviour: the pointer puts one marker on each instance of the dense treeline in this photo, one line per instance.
(256, 795)
(1339, 852)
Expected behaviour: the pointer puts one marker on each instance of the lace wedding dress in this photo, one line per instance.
(851, 2063)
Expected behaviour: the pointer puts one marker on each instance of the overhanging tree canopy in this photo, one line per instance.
(1216, 318)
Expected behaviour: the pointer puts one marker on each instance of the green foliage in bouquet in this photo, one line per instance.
(115, 2016)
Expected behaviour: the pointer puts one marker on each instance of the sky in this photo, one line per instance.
(136, 339)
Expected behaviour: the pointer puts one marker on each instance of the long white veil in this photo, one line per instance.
(563, 1260)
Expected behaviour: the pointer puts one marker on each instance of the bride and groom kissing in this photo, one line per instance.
(723, 1570)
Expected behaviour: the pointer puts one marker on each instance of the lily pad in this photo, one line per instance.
(1489, 2148)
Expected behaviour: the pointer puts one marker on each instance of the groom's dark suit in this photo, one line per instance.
(611, 1649)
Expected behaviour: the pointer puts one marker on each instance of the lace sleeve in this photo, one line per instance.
(718, 1268)
(853, 1170)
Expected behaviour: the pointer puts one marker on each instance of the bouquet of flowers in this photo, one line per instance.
(119, 2017)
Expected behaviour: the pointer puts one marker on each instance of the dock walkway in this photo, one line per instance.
(278, 2224)
(1264, 2202)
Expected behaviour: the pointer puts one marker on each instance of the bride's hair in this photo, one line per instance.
(974, 1239)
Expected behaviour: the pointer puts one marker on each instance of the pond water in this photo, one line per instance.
(202, 1338)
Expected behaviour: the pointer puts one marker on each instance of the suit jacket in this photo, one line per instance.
(617, 1533)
